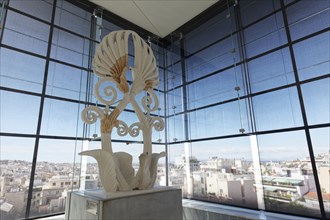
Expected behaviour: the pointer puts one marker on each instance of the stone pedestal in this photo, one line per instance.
(158, 203)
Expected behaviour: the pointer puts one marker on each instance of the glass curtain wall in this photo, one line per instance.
(248, 107)
(46, 80)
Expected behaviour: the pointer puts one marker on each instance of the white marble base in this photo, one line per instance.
(159, 203)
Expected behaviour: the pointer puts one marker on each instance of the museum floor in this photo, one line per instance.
(194, 210)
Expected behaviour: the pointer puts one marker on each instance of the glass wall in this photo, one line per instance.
(245, 97)
(44, 60)
(248, 107)
(46, 80)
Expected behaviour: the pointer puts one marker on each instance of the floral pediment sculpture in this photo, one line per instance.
(111, 65)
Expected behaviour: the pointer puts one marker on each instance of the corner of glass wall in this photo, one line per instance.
(247, 142)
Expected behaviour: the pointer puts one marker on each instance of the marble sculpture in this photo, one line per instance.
(111, 65)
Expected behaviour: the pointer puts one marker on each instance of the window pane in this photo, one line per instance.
(265, 35)
(21, 71)
(108, 27)
(210, 31)
(287, 174)
(174, 76)
(312, 56)
(276, 110)
(219, 120)
(73, 18)
(219, 171)
(307, 17)
(65, 81)
(216, 57)
(57, 171)
(19, 112)
(41, 9)
(89, 176)
(25, 33)
(173, 53)
(288, 1)
(162, 82)
(174, 101)
(270, 71)
(316, 99)
(229, 178)
(161, 108)
(158, 53)
(321, 143)
(254, 10)
(177, 173)
(216, 88)
(70, 48)
(62, 118)
(15, 170)
(175, 128)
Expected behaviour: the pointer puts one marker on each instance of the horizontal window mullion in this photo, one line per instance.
(251, 95)
(3, 88)
(22, 51)
(76, 34)
(71, 65)
(299, 128)
(28, 15)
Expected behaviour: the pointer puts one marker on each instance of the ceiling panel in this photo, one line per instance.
(160, 17)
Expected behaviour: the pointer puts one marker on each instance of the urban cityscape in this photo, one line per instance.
(287, 186)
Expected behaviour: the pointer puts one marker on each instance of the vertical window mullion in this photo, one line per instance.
(303, 111)
(42, 100)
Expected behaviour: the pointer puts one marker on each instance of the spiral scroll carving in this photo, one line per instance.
(90, 114)
(149, 100)
(135, 128)
(157, 123)
(108, 91)
(122, 128)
